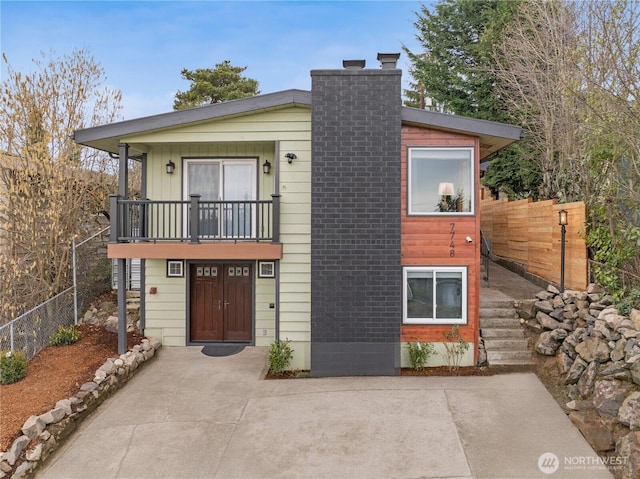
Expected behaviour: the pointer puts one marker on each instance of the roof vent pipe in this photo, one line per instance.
(388, 60)
(353, 64)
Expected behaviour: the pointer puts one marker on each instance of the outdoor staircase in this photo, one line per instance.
(504, 339)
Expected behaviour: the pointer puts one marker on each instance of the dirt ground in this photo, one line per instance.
(55, 373)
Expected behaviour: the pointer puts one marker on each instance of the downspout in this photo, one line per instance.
(276, 189)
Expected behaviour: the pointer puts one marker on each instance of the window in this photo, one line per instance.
(175, 268)
(441, 181)
(267, 269)
(435, 295)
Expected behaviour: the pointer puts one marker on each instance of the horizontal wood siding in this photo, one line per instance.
(528, 233)
(166, 310)
(426, 240)
(295, 235)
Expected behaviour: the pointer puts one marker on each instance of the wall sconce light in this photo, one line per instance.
(266, 167)
(290, 157)
(170, 167)
(563, 221)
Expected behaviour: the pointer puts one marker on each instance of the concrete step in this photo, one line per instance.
(499, 323)
(504, 333)
(498, 312)
(509, 357)
(505, 344)
(486, 303)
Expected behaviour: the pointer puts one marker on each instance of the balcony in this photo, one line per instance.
(194, 220)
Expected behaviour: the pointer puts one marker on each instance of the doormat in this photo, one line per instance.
(218, 350)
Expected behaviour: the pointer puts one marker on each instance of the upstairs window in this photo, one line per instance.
(441, 181)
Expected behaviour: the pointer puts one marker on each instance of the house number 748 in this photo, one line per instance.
(452, 234)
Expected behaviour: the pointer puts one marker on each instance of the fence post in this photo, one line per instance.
(75, 281)
(194, 219)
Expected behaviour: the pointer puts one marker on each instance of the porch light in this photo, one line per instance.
(563, 220)
(266, 167)
(170, 167)
(290, 157)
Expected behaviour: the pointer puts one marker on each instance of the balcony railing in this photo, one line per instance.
(194, 220)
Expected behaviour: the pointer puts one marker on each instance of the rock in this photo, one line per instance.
(90, 386)
(613, 368)
(33, 427)
(546, 345)
(601, 330)
(23, 470)
(53, 416)
(586, 381)
(634, 317)
(544, 295)
(12, 455)
(526, 309)
(606, 300)
(628, 448)
(608, 396)
(631, 358)
(557, 302)
(593, 429)
(628, 333)
(576, 370)
(564, 362)
(111, 324)
(593, 349)
(64, 404)
(559, 334)
(544, 306)
(629, 412)
(557, 314)
(108, 367)
(617, 352)
(552, 289)
(546, 321)
(594, 288)
(576, 405)
(613, 320)
(635, 372)
(35, 454)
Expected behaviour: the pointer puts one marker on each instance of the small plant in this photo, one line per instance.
(13, 367)
(280, 356)
(419, 353)
(629, 301)
(65, 336)
(455, 348)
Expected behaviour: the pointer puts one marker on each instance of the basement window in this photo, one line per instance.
(434, 295)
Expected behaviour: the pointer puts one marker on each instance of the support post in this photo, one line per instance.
(122, 305)
(276, 218)
(194, 220)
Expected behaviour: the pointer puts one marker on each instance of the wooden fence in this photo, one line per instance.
(528, 233)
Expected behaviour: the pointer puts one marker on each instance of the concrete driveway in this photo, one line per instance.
(187, 415)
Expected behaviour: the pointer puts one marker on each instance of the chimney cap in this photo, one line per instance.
(388, 60)
(353, 64)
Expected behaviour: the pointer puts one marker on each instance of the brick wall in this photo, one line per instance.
(356, 299)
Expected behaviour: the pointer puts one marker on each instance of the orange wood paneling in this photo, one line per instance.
(427, 241)
(528, 233)
(252, 250)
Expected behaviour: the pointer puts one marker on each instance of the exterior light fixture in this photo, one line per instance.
(170, 167)
(290, 157)
(266, 167)
(563, 221)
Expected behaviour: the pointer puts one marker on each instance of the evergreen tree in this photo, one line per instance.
(214, 85)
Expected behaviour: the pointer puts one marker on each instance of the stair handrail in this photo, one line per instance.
(485, 252)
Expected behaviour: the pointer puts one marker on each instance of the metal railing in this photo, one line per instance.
(30, 332)
(485, 254)
(193, 220)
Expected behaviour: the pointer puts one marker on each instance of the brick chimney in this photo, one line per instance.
(356, 277)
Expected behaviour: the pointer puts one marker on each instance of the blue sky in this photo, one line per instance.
(143, 45)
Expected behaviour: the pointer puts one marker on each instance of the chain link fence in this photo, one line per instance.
(30, 332)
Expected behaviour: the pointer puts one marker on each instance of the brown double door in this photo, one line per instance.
(221, 302)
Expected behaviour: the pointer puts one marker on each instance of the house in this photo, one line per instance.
(336, 218)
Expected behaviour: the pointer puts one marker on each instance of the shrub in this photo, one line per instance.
(419, 354)
(65, 336)
(455, 347)
(629, 301)
(13, 367)
(280, 356)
